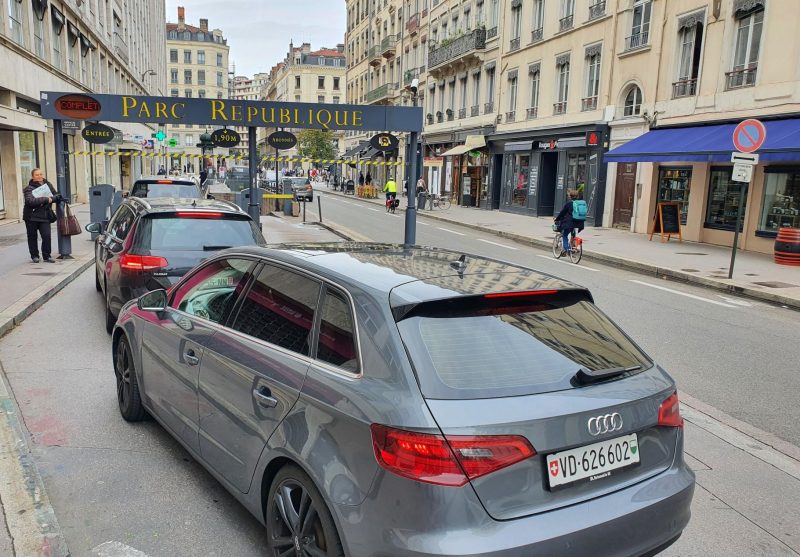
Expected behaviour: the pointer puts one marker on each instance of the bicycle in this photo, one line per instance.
(438, 202)
(391, 204)
(575, 242)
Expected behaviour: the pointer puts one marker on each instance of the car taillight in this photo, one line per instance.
(451, 461)
(669, 413)
(130, 262)
(199, 214)
(523, 294)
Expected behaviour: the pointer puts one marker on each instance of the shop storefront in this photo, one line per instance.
(692, 168)
(531, 174)
(439, 179)
(469, 168)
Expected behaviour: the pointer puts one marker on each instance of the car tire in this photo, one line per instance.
(128, 397)
(110, 319)
(97, 284)
(293, 494)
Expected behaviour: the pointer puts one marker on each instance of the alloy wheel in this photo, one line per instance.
(122, 370)
(296, 529)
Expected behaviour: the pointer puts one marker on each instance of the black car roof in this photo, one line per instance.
(426, 272)
(168, 204)
(180, 180)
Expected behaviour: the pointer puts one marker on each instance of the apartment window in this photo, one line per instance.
(567, 15)
(512, 95)
(201, 57)
(592, 78)
(640, 26)
(462, 85)
(202, 93)
(690, 40)
(452, 104)
(201, 77)
(173, 56)
(297, 82)
(187, 93)
(723, 199)
(16, 22)
(748, 45)
(187, 56)
(516, 25)
(187, 77)
(535, 78)
(321, 82)
(297, 98)
(219, 60)
(441, 101)
(57, 28)
(336, 83)
(219, 79)
(219, 94)
(321, 99)
(73, 69)
(336, 100)
(38, 35)
(490, 85)
(476, 89)
(494, 14)
(479, 14)
(562, 93)
(538, 20)
(189, 140)
(173, 75)
(633, 102)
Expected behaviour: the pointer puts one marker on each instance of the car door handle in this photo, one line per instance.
(264, 397)
(190, 358)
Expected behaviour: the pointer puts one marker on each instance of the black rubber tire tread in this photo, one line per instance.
(97, 284)
(134, 411)
(110, 319)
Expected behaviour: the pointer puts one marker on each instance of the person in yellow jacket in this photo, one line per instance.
(390, 188)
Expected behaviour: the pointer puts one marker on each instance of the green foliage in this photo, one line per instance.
(316, 144)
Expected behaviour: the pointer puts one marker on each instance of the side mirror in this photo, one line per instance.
(155, 300)
(94, 228)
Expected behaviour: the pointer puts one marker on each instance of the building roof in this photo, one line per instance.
(327, 52)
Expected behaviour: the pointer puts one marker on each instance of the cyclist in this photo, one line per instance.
(571, 217)
(391, 190)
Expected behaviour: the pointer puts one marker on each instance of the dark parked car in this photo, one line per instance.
(373, 400)
(162, 186)
(150, 243)
(301, 188)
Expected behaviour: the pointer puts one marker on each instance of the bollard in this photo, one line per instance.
(319, 208)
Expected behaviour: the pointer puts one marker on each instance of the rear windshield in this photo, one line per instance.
(174, 233)
(514, 351)
(189, 191)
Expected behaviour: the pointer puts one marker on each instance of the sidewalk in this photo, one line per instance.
(755, 275)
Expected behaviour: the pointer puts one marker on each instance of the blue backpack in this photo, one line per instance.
(579, 209)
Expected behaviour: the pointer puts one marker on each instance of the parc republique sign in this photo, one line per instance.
(228, 112)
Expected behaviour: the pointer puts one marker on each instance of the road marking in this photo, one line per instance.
(450, 231)
(737, 301)
(423, 223)
(683, 294)
(496, 244)
(564, 261)
(371, 209)
(116, 549)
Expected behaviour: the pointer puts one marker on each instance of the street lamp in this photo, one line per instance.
(411, 209)
(148, 72)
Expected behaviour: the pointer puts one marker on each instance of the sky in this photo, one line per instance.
(259, 31)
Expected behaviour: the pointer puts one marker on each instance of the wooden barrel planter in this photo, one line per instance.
(787, 246)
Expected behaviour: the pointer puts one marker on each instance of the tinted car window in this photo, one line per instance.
(211, 292)
(122, 222)
(336, 344)
(514, 351)
(279, 308)
(172, 233)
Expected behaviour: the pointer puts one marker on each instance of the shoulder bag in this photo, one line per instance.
(68, 224)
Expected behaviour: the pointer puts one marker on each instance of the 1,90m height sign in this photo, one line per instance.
(227, 112)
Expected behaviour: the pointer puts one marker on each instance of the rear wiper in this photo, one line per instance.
(215, 248)
(585, 376)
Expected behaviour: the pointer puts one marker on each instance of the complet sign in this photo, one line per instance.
(225, 138)
(97, 133)
(282, 140)
(222, 112)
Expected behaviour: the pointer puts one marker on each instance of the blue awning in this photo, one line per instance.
(708, 144)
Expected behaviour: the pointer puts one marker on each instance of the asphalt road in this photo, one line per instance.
(735, 354)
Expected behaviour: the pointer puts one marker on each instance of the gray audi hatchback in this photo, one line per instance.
(370, 400)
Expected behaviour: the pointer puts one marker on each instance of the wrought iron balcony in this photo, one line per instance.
(533, 112)
(684, 88)
(382, 93)
(638, 40)
(374, 55)
(488, 108)
(537, 35)
(462, 113)
(589, 103)
(457, 49)
(388, 46)
(598, 9)
(475, 110)
(566, 23)
(510, 116)
(741, 78)
(560, 108)
(491, 33)
(514, 45)
(412, 25)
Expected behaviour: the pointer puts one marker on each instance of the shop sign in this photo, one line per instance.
(593, 138)
(225, 138)
(384, 142)
(70, 125)
(433, 161)
(475, 154)
(551, 145)
(77, 107)
(534, 177)
(282, 140)
(97, 133)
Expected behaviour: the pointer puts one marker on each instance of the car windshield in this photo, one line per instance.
(514, 351)
(189, 191)
(172, 233)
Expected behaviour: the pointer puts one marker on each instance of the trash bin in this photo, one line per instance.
(421, 198)
(287, 207)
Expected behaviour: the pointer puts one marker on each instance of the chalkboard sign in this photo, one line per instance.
(666, 221)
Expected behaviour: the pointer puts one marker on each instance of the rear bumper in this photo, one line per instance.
(633, 522)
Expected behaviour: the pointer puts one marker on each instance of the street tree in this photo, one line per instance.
(316, 144)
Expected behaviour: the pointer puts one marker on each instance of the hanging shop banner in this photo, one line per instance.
(384, 142)
(282, 140)
(229, 112)
(97, 133)
(225, 138)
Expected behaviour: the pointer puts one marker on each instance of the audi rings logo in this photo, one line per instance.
(605, 424)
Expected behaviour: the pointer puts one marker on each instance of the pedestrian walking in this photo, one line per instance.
(38, 214)
(360, 178)
(369, 178)
(162, 171)
(421, 187)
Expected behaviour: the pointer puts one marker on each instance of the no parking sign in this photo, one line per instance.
(749, 135)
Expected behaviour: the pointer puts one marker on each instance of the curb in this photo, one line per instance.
(627, 264)
(16, 313)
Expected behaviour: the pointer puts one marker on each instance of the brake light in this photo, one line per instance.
(669, 413)
(130, 262)
(524, 294)
(199, 214)
(450, 461)
(164, 182)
